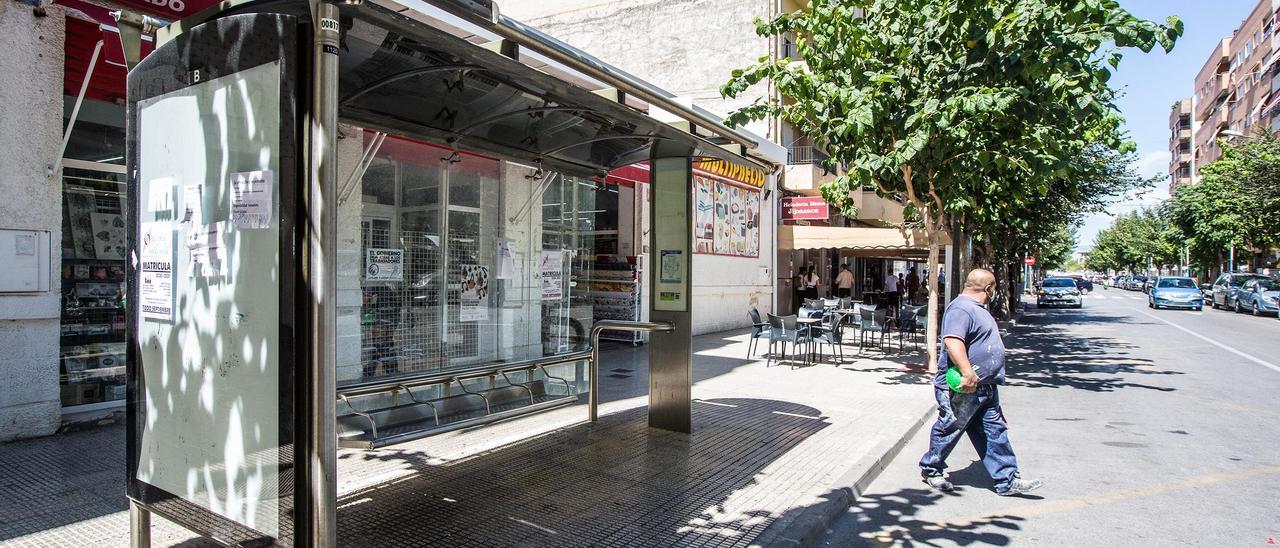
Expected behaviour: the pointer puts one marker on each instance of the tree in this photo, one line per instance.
(1235, 202)
(963, 107)
(1055, 252)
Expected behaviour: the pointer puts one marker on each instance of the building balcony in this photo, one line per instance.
(1208, 131)
(805, 173)
(1214, 89)
(874, 210)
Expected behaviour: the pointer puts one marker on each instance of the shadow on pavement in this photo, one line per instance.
(1042, 353)
(613, 483)
(889, 520)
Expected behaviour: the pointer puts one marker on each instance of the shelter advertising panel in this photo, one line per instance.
(213, 158)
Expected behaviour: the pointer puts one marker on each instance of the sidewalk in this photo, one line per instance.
(775, 453)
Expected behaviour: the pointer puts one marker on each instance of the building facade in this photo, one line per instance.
(1236, 87)
(1181, 122)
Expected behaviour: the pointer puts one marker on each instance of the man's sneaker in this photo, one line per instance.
(940, 483)
(1020, 486)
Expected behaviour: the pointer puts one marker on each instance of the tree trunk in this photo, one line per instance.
(931, 330)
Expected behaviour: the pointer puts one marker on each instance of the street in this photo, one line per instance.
(1144, 434)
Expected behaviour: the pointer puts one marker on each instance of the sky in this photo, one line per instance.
(1151, 82)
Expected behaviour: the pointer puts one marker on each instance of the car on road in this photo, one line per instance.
(1084, 285)
(1259, 296)
(1058, 292)
(1175, 292)
(1227, 286)
(1135, 283)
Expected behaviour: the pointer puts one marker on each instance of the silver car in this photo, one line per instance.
(1226, 287)
(1058, 292)
(1259, 296)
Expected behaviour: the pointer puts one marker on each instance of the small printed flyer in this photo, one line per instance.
(551, 268)
(155, 285)
(475, 293)
(251, 193)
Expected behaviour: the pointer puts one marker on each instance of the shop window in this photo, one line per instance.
(464, 261)
(91, 363)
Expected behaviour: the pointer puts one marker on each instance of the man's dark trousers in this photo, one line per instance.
(977, 413)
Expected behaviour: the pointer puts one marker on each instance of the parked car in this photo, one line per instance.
(1207, 290)
(1226, 287)
(1175, 292)
(1120, 282)
(1259, 296)
(1135, 283)
(1058, 291)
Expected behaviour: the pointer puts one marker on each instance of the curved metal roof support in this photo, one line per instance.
(559, 149)
(386, 80)
(530, 111)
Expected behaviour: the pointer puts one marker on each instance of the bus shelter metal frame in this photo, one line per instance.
(315, 443)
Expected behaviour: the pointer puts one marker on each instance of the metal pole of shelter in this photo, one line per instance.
(671, 245)
(320, 270)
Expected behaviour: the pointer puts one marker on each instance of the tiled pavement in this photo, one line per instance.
(770, 444)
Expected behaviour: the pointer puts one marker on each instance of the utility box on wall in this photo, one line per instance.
(24, 261)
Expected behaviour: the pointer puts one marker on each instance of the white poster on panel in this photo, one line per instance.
(551, 266)
(212, 426)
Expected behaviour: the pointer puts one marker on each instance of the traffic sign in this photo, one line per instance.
(1029, 261)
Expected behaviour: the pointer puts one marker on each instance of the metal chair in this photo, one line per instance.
(759, 328)
(829, 332)
(907, 324)
(783, 329)
(872, 322)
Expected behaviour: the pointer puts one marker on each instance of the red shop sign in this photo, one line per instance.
(171, 10)
(805, 208)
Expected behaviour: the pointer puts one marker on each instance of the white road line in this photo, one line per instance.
(1253, 359)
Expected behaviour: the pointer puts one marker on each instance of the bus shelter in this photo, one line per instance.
(362, 223)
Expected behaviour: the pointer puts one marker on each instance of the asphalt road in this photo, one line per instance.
(1149, 428)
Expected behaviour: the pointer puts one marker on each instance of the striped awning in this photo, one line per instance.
(854, 238)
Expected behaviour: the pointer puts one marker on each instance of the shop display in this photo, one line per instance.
(615, 294)
(726, 218)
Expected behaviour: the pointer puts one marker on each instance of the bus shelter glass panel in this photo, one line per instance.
(451, 260)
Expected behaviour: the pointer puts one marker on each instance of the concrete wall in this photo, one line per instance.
(31, 138)
(687, 47)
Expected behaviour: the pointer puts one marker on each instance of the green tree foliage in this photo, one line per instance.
(966, 108)
(1236, 203)
(1055, 252)
(1137, 240)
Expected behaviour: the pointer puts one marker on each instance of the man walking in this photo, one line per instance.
(844, 282)
(971, 343)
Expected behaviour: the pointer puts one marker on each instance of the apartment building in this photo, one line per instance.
(1235, 89)
(1180, 130)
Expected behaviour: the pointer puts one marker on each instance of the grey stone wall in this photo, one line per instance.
(30, 141)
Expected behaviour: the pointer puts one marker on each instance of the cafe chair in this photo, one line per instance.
(759, 328)
(784, 329)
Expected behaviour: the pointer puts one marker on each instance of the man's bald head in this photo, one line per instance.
(979, 279)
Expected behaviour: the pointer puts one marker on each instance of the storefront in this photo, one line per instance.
(870, 253)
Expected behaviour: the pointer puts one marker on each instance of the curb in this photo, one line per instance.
(812, 523)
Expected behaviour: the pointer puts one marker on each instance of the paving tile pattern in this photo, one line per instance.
(768, 443)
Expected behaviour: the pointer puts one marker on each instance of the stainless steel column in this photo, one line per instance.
(670, 286)
(320, 271)
(139, 526)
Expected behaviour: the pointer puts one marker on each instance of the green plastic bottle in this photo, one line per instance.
(954, 378)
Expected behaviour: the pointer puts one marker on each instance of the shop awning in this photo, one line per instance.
(853, 238)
